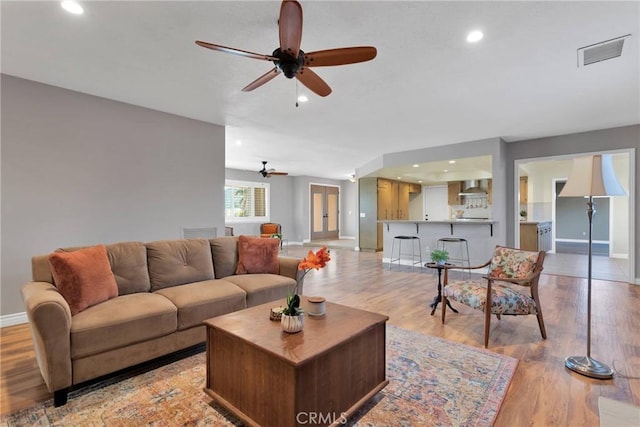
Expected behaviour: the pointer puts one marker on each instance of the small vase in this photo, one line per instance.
(292, 324)
(441, 262)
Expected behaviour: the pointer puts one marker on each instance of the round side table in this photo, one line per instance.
(438, 298)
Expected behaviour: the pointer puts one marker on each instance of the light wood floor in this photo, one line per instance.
(542, 392)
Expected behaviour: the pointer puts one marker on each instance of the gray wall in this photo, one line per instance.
(348, 209)
(281, 200)
(290, 204)
(301, 204)
(626, 137)
(81, 170)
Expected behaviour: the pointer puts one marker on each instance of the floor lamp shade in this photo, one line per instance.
(591, 176)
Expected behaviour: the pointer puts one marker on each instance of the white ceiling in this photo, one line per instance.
(427, 86)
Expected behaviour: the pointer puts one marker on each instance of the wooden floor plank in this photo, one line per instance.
(543, 392)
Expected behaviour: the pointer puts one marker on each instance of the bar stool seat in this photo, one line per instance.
(458, 249)
(416, 257)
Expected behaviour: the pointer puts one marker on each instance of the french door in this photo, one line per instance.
(324, 212)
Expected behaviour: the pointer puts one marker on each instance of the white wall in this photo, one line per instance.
(81, 170)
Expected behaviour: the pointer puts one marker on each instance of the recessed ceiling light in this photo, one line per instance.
(420, 181)
(446, 170)
(452, 162)
(303, 98)
(474, 36)
(72, 7)
(238, 142)
(416, 166)
(399, 177)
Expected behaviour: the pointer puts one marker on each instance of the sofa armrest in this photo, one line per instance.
(289, 268)
(50, 322)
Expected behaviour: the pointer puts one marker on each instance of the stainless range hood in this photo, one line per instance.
(474, 187)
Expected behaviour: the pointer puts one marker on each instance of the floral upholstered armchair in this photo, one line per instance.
(511, 286)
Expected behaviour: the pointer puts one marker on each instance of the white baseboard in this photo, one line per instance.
(619, 256)
(13, 319)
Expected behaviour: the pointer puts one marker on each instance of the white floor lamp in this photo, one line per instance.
(590, 177)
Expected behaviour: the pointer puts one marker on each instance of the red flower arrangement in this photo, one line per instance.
(312, 261)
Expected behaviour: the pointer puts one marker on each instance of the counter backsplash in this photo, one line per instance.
(462, 211)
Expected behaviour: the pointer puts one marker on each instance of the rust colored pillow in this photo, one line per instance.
(83, 277)
(256, 255)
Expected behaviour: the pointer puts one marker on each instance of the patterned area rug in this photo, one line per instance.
(432, 382)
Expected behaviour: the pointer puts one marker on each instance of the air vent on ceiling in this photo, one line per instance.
(602, 51)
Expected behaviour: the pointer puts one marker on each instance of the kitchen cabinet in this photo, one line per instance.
(536, 236)
(524, 190)
(415, 188)
(393, 198)
(381, 199)
(385, 199)
(454, 188)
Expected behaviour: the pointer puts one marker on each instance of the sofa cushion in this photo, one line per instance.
(83, 277)
(200, 301)
(175, 262)
(257, 255)
(129, 266)
(225, 256)
(121, 321)
(262, 288)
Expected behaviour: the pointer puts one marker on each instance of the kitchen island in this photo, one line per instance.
(478, 232)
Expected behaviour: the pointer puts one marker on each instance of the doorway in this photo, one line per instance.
(325, 212)
(613, 238)
(572, 229)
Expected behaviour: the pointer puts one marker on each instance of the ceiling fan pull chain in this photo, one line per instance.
(296, 93)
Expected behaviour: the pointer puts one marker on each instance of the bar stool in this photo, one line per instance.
(414, 255)
(458, 249)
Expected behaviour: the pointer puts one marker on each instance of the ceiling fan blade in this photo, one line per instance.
(313, 82)
(279, 173)
(341, 56)
(269, 75)
(290, 24)
(235, 51)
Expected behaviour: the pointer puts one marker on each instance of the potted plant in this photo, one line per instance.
(523, 215)
(292, 314)
(439, 256)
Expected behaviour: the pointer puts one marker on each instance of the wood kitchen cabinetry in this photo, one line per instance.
(393, 198)
(454, 188)
(382, 199)
(536, 236)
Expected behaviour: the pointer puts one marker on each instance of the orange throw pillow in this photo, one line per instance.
(83, 277)
(256, 255)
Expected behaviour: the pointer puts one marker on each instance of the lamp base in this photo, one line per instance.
(589, 367)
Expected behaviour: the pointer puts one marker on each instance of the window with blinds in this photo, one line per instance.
(246, 201)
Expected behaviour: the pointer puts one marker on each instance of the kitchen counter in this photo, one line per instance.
(478, 232)
(451, 222)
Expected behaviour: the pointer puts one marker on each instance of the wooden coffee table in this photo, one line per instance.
(319, 376)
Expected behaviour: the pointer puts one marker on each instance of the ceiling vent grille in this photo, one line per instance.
(602, 51)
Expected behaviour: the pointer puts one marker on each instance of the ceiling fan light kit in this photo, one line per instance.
(292, 61)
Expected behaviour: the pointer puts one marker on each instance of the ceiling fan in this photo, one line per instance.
(292, 61)
(268, 173)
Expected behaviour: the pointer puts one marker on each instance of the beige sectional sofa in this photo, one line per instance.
(166, 289)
